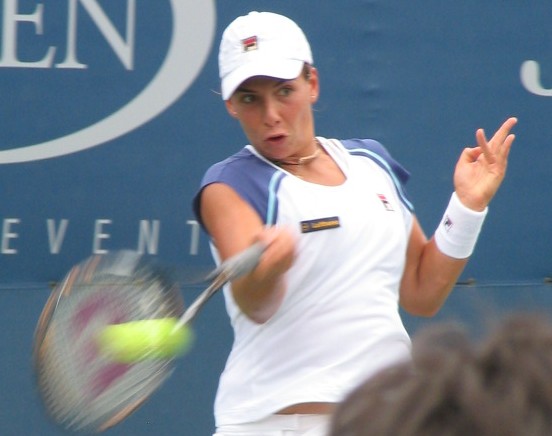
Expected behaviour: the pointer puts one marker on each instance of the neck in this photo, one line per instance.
(300, 160)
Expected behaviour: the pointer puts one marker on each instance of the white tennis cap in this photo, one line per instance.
(261, 44)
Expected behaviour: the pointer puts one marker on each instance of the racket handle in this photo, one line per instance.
(240, 264)
(236, 266)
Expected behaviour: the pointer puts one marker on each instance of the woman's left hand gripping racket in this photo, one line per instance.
(109, 335)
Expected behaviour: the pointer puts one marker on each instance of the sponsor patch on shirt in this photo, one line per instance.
(318, 224)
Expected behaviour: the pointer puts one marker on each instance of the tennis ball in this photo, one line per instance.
(135, 341)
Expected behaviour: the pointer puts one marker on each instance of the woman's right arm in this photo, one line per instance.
(233, 226)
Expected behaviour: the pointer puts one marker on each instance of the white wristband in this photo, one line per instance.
(459, 229)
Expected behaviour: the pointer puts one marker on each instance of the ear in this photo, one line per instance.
(314, 85)
(230, 108)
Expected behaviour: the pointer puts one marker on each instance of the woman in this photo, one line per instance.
(319, 314)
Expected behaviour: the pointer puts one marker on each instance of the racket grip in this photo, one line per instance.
(240, 264)
(233, 267)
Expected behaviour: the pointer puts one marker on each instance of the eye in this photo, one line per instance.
(284, 91)
(247, 98)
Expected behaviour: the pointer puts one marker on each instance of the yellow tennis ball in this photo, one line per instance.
(135, 341)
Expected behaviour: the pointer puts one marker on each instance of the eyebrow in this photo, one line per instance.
(277, 82)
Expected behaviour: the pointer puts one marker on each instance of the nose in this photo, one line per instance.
(271, 112)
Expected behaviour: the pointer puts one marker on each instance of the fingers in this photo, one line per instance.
(508, 144)
(281, 246)
(276, 234)
(484, 145)
(472, 154)
(504, 130)
(499, 145)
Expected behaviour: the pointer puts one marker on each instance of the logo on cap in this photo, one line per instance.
(249, 44)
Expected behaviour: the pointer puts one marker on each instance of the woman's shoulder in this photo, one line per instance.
(374, 150)
(361, 145)
(243, 162)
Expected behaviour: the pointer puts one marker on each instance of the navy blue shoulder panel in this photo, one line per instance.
(248, 175)
(379, 154)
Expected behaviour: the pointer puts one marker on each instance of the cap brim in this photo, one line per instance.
(286, 69)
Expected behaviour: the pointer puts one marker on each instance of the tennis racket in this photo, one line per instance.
(82, 388)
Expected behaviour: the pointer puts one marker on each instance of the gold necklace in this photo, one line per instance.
(300, 160)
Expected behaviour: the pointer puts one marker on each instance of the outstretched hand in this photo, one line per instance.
(481, 169)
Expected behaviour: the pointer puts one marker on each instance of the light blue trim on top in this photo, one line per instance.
(272, 206)
(385, 165)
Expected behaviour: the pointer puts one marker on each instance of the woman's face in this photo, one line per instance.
(276, 115)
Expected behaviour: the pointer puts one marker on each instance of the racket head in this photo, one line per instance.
(81, 388)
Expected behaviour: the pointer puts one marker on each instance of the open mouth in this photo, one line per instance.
(275, 140)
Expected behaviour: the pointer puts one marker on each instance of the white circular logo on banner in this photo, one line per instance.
(194, 25)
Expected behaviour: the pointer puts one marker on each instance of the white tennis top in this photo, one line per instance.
(339, 322)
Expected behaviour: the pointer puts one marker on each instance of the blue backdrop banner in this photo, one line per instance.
(111, 112)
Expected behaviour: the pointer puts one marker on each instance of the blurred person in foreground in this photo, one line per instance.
(457, 387)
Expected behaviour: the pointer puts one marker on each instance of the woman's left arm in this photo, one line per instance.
(433, 266)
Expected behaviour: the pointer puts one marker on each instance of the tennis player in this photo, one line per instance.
(320, 312)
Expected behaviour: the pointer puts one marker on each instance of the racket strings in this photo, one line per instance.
(81, 388)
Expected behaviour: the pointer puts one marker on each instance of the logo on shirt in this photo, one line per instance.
(385, 203)
(319, 224)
